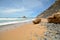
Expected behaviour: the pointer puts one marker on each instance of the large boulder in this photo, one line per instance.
(54, 18)
(37, 21)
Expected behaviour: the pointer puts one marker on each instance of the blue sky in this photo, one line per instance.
(19, 8)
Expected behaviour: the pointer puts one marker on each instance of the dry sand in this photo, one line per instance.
(30, 31)
(27, 31)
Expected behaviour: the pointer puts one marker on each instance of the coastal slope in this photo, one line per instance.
(51, 10)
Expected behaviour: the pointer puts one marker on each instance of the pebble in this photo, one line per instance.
(53, 31)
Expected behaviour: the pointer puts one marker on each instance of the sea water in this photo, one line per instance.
(4, 21)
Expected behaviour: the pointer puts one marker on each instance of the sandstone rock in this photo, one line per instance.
(54, 18)
(50, 17)
(37, 21)
(57, 15)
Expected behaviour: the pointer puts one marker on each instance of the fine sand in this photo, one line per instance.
(26, 31)
(30, 31)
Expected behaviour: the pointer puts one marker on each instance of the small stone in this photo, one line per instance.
(45, 38)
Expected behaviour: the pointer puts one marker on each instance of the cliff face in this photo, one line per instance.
(55, 8)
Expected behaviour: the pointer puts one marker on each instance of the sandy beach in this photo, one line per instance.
(29, 20)
(30, 31)
(26, 31)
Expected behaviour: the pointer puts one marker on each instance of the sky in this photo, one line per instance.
(19, 8)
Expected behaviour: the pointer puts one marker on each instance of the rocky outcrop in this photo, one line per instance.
(51, 10)
(24, 17)
(54, 18)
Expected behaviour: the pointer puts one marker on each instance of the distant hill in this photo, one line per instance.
(51, 10)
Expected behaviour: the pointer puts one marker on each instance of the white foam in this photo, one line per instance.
(15, 22)
(8, 18)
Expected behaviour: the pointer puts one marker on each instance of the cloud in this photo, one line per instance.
(32, 3)
(13, 10)
(21, 11)
(25, 5)
(22, 7)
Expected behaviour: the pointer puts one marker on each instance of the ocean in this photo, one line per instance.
(4, 21)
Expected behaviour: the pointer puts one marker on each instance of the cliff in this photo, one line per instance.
(51, 10)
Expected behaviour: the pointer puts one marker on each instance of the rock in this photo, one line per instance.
(54, 18)
(24, 17)
(57, 15)
(37, 21)
(54, 8)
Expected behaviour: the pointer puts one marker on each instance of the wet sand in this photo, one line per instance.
(27, 31)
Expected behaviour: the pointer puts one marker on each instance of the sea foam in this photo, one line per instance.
(14, 22)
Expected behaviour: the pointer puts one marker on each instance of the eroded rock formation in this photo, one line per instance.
(54, 18)
(52, 10)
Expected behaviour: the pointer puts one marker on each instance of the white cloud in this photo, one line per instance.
(29, 3)
(32, 3)
(26, 6)
(13, 10)
(21, 11)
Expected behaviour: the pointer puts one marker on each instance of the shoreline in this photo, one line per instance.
(13, 25)
(14, 22)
